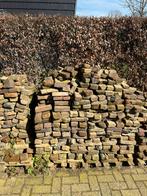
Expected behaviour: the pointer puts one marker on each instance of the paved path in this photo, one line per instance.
(124, 182)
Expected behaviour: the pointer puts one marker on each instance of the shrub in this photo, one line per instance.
(36, 45)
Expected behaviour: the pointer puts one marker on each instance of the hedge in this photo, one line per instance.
(37, 45)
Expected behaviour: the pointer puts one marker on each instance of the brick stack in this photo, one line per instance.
(94, 117)
(52, 120)
(133, 102)
(43, 122)
(86, 102)
(85, 149)
(15, 98)
(85, 117)
(141, 136)
(91, 99)
(61, 125)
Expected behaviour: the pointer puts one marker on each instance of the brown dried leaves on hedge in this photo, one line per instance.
(35, 45)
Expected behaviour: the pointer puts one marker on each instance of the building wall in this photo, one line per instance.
(50, 7)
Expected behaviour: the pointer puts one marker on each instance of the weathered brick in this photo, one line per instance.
(70, 180)
(33, 180)
(56, 185)
(139, 177)
(41, 189)
(93, 183)
(80, 187)
(134, 192)
(130, 182)
(66, 190)
(105, 190)
(106, 178)
(83, 177)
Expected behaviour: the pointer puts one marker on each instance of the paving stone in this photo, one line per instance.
(105, 190)
(116, 193)
(118, 176)
(133, 170)
(10, 181)
(36, 195)
(26, 191)
(130, 182)
(145, 169)
(15, 195)
(56, 194)
(140, 170)
(81, 184)
(93, 183)
(127, 170)
(143, 189)
(106, 171)
(95, 193)
(139, 177)
(17, 189)
(56, 186)
(62, 173)
(5, 190)
(145, 182)
(83, 177)
(77, 194)
(70, 180)
(118, 185)
(19, 181)
(134, 192)
(34, 180)
(2, 182)
(66, 190)
(41, 189)
(48, 179)
(80, 187)
(106, 178)
(95, 172)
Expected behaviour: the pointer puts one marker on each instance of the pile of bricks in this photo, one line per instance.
(83, 117)
(15, 98)
(94, 117)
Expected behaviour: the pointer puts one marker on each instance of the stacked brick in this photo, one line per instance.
(93, 118)
(141, 136)
(52, 120)
(43, 122)
(85, 117)
(85, 102)
(15, 98)
(90, 118)
(101, 100)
